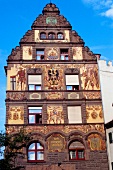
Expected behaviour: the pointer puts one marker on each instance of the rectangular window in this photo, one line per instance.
(13, 82)
(64, 54)
(112, 165)
(76, 154)
(111, 137)
(34, 82)
(72, 82)
(35, 115)
(39, 54)
(74, 114)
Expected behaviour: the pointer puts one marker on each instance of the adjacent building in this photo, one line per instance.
(106, 81)
(53, 92)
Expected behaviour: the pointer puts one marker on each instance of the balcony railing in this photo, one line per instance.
(52, 95)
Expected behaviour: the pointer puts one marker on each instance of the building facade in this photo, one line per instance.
(106, 81)
(53, 92)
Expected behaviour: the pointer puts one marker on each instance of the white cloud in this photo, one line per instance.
(108, 13)
(104, 7)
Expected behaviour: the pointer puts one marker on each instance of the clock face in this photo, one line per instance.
(51, 20)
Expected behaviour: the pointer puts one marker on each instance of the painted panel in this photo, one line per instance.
(16, 115)
(94, 114)
(27, 52)
(55, 114)
(95, 142)
(89, 77)
(77, 53)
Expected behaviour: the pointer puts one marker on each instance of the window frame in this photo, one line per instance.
(43, 33)
(76, 150)
(40, 54)
(73, 86)
(35, 85)
(36, 150)
(110, 134)
(53, 37)
(35, 115)
(64, 54)
(13, 82)
(60, 33)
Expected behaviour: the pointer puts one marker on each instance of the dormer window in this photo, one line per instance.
(51, 36)
(43, 36)
(60, 36)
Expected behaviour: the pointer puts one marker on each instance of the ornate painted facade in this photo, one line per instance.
(53, 92)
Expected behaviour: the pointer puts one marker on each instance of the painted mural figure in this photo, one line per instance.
(21, 78)
(53, 75)
(91, 80)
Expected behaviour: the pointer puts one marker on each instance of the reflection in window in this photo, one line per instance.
(60, 36)
(51, 36)
(35, 152)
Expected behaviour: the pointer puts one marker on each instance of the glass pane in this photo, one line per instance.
(66, 57)
(31, 118)
(31, 87)
(69, 87)
(41, 52)
(38, 87)
(31, 155)
(32, 146)
(40, 155)
(60, 36)
(80, 154)
(39, 146)
(43, 36)
(73, 154)
(35, 111)
(38, 57)
(62, 57)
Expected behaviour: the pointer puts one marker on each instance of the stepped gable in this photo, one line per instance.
(51, 17)
(28, 37)
(15, 54)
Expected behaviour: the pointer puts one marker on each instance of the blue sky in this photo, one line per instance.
(92, 19)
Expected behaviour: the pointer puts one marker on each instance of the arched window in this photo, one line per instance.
(35, 152)
(43, 36)
(51, 36)
(76, 151)
(60, 36)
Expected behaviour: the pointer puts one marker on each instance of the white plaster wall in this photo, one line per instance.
(106, 83)
(109, 148)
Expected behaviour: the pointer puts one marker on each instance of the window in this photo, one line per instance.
(13, 82)
(111, 137)
(112, 165)
(72, 82)
(74, 114)
(60, 36)
(34, 82)
(40, 54)
(51, 36)
(64, 54)
(76, 151)
(43, 36)
(35, 115)
(35, 152)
